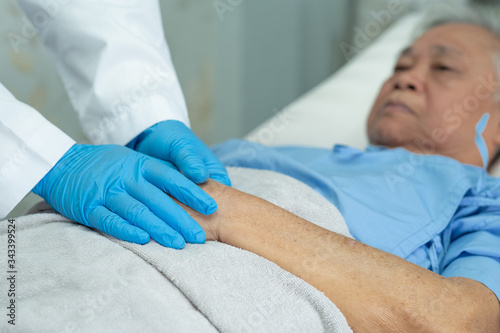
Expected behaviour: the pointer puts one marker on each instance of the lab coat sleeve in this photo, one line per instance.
(114, 61)
(29, 147)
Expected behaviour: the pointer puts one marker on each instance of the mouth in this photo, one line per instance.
(397, 106)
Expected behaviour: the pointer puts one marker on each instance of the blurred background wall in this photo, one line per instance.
(238, 61)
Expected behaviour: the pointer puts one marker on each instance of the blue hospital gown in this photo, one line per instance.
(430, 210)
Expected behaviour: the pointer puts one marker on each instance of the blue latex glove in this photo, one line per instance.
(120, 192)
(173, 141)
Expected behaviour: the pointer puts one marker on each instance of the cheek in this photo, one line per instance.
(380, 100)
(384, 92)
(445, 109)
(457, 114)
(439, 114)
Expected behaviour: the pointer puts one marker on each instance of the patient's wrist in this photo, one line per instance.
(236, 213)
(217, 224)
(238, 217)
(212, 224)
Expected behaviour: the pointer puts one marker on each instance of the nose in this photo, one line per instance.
(409, 80)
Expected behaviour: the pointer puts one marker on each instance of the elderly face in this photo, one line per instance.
(441, 86)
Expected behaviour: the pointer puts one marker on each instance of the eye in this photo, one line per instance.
(443, 68)
(400, 68)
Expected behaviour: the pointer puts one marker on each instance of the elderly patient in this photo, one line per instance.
(418, 200)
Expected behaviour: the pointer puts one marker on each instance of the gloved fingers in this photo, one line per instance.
(199, 168)
(170, 181)
(108, 222)
(137, 214)
(176, 143)
(168, 211)
(217, 171)
(191, 164)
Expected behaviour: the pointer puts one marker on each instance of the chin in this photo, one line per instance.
(389, 137)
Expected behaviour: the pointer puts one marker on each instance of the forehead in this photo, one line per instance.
(456, 40)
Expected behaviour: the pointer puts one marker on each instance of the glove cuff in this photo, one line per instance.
(40, 187)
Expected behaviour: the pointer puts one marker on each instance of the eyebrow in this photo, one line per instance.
(436, 49)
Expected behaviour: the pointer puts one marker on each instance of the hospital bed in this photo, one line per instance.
(72, 279)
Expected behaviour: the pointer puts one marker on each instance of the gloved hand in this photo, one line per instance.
(172, 141)
(120, 192)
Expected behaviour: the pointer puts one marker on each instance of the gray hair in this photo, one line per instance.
(441, 13)
(445, 12)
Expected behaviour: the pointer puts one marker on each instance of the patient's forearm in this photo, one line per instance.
(375, 290)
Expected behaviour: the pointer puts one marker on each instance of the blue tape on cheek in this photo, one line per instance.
(481, 145)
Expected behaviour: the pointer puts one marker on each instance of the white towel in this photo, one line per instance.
(73, 279)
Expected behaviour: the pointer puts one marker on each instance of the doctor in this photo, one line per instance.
(116, 67)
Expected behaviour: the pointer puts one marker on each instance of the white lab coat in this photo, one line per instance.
(116, 66)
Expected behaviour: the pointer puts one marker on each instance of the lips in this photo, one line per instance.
(398, 106)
